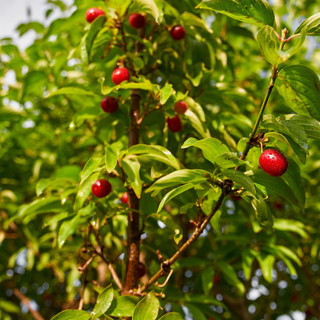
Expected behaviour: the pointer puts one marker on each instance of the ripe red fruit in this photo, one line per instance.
(109, 104)
(119, 75)
(174, 124)
(137, 20)
(177, 32)
(93, 13)
(124, 198)
(141, 270)
(273, 162)
(101, 188)
(180, 107)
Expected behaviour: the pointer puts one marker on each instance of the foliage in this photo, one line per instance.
(64, 249)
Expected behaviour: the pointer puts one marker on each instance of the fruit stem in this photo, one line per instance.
(274, 76)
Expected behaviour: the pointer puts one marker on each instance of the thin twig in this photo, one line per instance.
(36, 315)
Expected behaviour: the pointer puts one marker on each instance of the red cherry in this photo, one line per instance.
(235, 197)
(119, 75)
(101, 188)
(177, 32)
(124, 198)
(278, 205)
(174, 124)
(93, 13)
(109, 104)
(141, 270)
(216, 279)
(180, 107)
(137, 20)
(273, 162)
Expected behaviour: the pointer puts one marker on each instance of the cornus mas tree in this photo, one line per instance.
(156, 161)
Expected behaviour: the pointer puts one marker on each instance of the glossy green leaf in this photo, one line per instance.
(248, 257)
(165, 93)
(131, 167)
(119, 6)
(91, 165)
(241, 179)
(262, 212)
(197, 124)
(231, 276)
(266, 262)
(123, 306)
(310, 25)
(174, 193)
(257, 12)
(103, 303)
(191, 19)
(172, 316)
(111, 158)
(210, 147)
(178, 177)
(291, 225)
(206, 280)
(300, 87)
(67, 228)
(155, 152)
(146, 6)
(72, 314)
(85, 190)
(229, 160)
(71, 91)
(144, 85)
(147, 308)
(269, 45)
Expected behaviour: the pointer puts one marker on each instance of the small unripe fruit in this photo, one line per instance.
(177, 32)
(119, 75)
(124, 198)
(101, 188)
(93, 13)
(273, 162)
(180, 107)
(141, 270)
(137, 20)
(109, 104)
(174, 124)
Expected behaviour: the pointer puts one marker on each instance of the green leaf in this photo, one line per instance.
(72, 314)
(257, 12)
(9, 306)
(291, 225)
(195, 312)
(119, 6)
(143, 85)
(172, 316)
(72, 91)
(311, 26)
(174, 193)
(262, 211)
(103, 303)
(196, 123)
(269, 45)
(123, 306)
(300, 87)
(184, 176)
(95, 27)
(145, 6)
(91, 165)
(67, 228)
(155, 152)
(229, 160)
(147, 308)
(165, 93)
(190, 19)
(111, 158)
(231, 276)
(241, 179)
(85, 190)
(206, 279)
(266, 262)
(131, 167)
(210, 147)
(248, 257)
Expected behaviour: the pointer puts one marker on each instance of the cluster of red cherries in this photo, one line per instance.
(272, 161)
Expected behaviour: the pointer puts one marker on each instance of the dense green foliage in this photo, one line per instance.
(60, 246)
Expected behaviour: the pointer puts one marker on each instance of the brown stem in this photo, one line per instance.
(36, 315)
(166, 265)
(133, 230)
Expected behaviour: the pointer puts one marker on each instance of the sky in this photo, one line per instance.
(14, 12)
